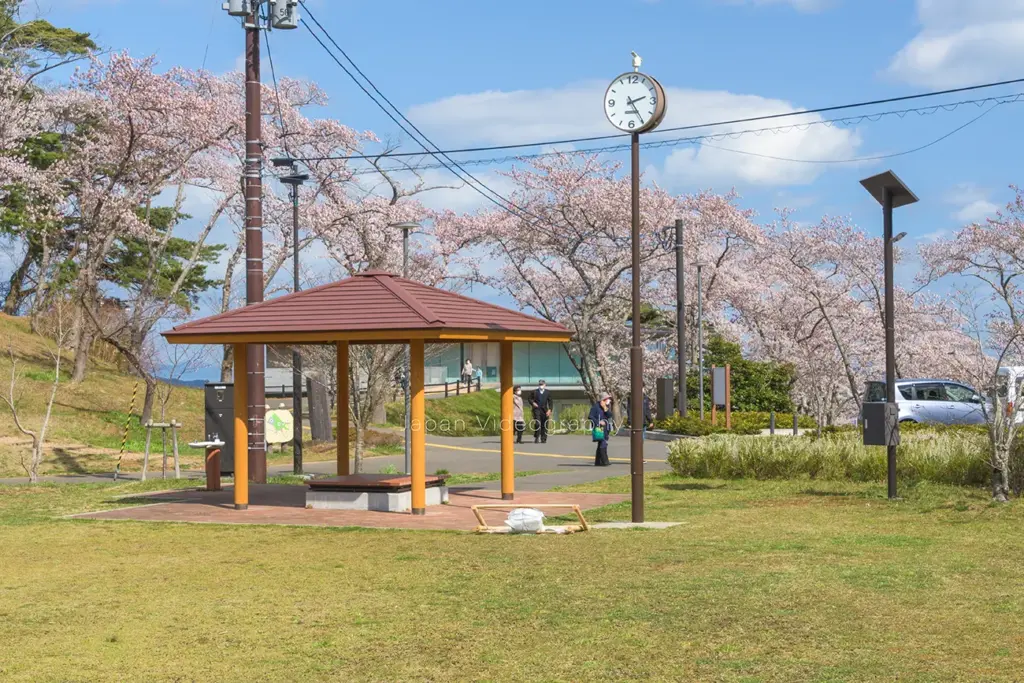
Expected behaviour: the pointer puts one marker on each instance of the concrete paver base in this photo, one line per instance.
(285, 504)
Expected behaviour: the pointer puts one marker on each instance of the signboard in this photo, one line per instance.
(718, 386)
(279, 424)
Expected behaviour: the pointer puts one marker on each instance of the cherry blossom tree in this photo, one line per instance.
(987, 262)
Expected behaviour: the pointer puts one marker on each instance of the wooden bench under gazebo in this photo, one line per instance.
(374, 307)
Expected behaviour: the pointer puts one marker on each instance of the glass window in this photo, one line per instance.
(930, 392)
(960, 394)
(875, 392)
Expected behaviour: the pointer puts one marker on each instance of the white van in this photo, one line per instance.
(1010, 381)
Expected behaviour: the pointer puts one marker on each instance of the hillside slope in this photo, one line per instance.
(88, 419)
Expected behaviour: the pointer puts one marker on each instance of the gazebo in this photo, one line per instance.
(373, 307)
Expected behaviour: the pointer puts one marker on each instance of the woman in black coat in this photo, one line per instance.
(601, 416)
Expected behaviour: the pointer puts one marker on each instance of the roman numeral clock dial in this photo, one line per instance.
(634, 103)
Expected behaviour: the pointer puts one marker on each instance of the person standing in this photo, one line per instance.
(601, 417)
(541, 403)
(518, 418)
(467, 373)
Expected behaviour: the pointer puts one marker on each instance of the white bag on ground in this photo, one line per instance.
(525, 520)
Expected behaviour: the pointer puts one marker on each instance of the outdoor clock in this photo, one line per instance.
(634, 102)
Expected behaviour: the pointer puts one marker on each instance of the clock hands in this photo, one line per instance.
(632, 103)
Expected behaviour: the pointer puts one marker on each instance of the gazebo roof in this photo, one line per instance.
(371, 307)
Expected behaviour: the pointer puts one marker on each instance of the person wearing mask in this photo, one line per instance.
(518, 418)
(541, 404)
(601, 417)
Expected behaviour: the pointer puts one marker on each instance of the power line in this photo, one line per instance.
(855, 159)
(277, 94)
(700, 139)
(714, 124)
(485, 192)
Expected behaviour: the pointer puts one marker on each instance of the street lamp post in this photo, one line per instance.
(295, 181)
(700, 334)
(406, 227)
(889, 191)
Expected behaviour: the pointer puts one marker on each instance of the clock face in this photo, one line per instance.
(634, 102)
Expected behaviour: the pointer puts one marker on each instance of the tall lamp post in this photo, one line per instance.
(681, 318)
(700, 334)
(295, 181)
(889, 191)
(406, 227)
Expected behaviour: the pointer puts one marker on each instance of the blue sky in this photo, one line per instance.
(472, 73)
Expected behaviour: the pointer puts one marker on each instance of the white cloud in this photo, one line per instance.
(974, 203)
(497, 117)
(963, 42)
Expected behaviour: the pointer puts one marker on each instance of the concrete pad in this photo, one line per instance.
(634, 525)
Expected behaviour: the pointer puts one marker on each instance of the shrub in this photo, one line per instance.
(935, 456)
(743, 423)
(572, 419)
(388, 469)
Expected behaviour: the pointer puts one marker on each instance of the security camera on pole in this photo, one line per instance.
(281, 14)
(635, 103)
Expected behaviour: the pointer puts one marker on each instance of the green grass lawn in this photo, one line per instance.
(764, 581)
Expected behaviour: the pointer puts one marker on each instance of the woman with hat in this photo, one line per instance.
(601, 423)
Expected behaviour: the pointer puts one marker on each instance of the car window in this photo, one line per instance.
(875, 392)
(959, 393)
(906, 391)
(930, 392)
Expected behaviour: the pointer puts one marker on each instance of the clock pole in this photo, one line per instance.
(636, 354)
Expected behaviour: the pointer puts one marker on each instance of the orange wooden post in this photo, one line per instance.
(213, 469)
(507, 425)
(417, 418)
(714, 407)
(241, 428)
(728, 397)
(341, 402)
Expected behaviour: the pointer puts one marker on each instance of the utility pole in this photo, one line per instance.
(295, 181)
(281, 14)
(257, 398)
(700, 336)
(681, 318)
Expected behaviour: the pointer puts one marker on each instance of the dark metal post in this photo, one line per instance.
(700, 334)
(636, 355)
(681, 318)
(408, 366)
(296, 356)
(771, 423)
(256, 398)
(796, 424)
(890, 336)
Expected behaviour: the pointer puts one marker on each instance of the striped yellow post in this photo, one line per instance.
(344, 467)
(241, 429)
(508, 465)
(418, 450)
(127, 425)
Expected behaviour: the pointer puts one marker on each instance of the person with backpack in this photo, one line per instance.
(601, 424)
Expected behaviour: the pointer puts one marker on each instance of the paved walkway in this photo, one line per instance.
(284, 504)
(570, 458)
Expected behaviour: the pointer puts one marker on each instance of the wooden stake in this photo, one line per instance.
(728, 397)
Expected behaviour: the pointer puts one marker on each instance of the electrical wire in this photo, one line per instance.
(714, 124)
(277, 94)
(854, 159)
(484, 190)
(699, 139)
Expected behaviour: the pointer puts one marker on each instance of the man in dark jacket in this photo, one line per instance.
(541, 404)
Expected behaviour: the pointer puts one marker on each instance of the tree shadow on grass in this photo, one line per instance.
(828, 494)
(692, 487)
(69, 461)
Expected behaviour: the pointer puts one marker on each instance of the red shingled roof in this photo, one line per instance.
(371, 301)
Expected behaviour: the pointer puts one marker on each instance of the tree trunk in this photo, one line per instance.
(357, 466)
(83, 343)
(1000, 473)
(16, 292)
(147, 404)
(227, 364)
